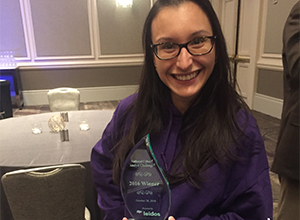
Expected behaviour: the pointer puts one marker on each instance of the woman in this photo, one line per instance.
(203, 137)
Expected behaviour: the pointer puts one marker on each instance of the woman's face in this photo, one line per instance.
(185, 74)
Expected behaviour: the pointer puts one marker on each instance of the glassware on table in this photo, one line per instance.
(64, 135)
(7, 59)
(84, 125)
(56, 123)
(65, 116)
(37, 128)
(144, 187)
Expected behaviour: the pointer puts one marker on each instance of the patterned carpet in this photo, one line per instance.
(269, 127)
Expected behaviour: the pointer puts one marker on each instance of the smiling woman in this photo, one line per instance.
(187, 74)
(201, 131)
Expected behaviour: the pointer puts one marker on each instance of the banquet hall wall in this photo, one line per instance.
(96, 47)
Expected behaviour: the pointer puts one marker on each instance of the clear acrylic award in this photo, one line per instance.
(144, 187)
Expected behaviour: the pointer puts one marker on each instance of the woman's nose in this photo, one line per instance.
(184, 59)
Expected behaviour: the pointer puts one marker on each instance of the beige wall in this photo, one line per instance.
(269, 87)
(40, 79)
(276, 17)
(73, 43)
(11, 28)
(270, 81)
(60, 34)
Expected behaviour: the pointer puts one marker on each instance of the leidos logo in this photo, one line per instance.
(148, 213)
(151, 213)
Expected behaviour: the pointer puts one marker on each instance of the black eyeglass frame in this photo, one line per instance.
(185, 45)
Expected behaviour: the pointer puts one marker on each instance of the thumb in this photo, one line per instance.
(171, 218)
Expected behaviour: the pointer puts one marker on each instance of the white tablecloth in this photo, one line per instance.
(20, 147)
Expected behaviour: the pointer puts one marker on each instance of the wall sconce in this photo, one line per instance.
(124, 3)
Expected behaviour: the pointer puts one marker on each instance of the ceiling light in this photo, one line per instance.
(124, 3)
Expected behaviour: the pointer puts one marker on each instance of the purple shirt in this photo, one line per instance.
(242, 191)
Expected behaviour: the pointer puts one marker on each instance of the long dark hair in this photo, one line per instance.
(210, 121)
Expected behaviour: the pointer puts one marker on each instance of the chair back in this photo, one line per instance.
(5, 100)
(46, 193)
(63, 99)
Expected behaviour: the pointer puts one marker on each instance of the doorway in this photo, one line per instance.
(240, 24)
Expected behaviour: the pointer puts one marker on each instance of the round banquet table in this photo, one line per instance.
(20, 148)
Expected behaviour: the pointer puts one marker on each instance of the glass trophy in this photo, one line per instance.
(144, 187)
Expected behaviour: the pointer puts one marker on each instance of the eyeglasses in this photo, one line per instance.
(198, 46)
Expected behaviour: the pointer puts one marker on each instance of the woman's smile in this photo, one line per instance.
(186, 77)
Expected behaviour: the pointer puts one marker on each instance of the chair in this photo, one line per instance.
(5, 100)
(63, 99)
(46, 193)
